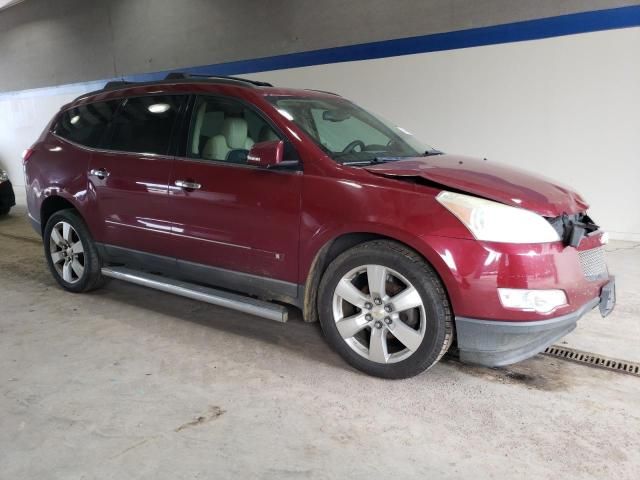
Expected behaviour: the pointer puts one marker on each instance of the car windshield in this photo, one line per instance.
(348, 133)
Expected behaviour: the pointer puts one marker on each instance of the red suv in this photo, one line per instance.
(248, 196)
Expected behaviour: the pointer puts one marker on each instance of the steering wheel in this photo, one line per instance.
(352, 146)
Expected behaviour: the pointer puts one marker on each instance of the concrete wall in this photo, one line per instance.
(44, 42)
(565, 106)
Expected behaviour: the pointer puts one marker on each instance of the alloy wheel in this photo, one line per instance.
(379, 313)
(67, 252)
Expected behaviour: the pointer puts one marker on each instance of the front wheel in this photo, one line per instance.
(384, 310)
(71, 254)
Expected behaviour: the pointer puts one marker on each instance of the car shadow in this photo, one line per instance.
(16, 213)
(303, 339)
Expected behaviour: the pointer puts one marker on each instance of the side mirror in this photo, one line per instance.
(266, 154)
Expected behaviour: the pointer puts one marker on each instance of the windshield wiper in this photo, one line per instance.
(373, 161)
(392, 159)
(359, 162)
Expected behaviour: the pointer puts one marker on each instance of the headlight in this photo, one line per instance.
(496, 222)
(541, 301)
(3, 176)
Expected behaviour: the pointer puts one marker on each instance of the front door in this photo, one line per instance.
(231, 216)
(129, 177)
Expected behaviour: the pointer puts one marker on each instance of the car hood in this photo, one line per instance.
(487, 179)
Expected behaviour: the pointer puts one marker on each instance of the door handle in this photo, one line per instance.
(101, 173)
(186, 185)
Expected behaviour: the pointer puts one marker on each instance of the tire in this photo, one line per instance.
(4, 211)
(77, 246)
(425, 326)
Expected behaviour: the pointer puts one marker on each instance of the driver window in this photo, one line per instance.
(336, 135)
(225, 130)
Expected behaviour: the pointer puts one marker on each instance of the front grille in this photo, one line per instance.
(593, 265)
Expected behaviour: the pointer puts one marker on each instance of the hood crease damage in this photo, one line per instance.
(485, 179)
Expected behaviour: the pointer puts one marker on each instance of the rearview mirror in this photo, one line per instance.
(266, 154)
(335, 115)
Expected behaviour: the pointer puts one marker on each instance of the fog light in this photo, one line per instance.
(541, 301)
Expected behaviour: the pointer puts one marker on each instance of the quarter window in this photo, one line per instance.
(87, 123)
(145, 124)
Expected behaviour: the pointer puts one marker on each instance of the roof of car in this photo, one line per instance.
(174, 79)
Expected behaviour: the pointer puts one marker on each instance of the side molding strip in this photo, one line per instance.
(221, 298)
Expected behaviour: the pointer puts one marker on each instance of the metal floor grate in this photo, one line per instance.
(594, 360)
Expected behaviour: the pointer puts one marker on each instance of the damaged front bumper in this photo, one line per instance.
(494, 343)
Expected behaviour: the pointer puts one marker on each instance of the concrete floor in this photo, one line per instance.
(129, 383)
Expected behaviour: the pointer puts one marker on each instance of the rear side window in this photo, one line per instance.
(87, 124)
(145, 124)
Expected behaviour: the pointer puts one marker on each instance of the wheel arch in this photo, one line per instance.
(53, 204)
(336, 246)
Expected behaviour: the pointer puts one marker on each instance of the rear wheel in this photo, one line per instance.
(71, 254)
(384, 309)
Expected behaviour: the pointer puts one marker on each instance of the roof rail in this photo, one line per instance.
(189, 76)
(116, 84)
(322, 91)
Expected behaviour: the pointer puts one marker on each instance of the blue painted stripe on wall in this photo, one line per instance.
(508, 33)
(571, 24)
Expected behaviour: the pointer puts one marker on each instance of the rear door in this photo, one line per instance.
(129, 176)
(240, 217)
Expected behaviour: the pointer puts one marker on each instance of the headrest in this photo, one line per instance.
(267, 134)
(235, 131)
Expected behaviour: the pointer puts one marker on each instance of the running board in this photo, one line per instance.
(249, 305)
